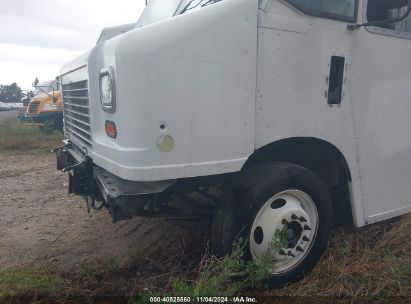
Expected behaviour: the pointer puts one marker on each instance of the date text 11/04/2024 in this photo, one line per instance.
(203, 300)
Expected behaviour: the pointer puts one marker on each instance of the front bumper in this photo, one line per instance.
(123, 198)
(43, 117)
(110, 185)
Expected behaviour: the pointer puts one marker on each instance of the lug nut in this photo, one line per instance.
(282, 252)
(302, 219)
(291, 254)
(294, 217)
(299, 249)
(306, 227)
(306, 239)
(285, 222)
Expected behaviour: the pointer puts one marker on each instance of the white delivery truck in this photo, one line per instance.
(295, 108)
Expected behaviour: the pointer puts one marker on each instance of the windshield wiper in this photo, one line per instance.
(203, 4)
(209, 2)
(187, 7)
(41, 89)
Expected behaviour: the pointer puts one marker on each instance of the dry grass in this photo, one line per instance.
(151, 270)
(28, 280)
(15, 135)
(373, 262)
(369, 265)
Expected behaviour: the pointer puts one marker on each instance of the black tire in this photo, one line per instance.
(250, 191)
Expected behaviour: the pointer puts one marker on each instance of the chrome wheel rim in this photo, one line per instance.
(284, 230)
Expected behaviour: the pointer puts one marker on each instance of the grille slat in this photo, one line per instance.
(76, 97)
(77, 106)
(76, 123)
(78, 85)
(77, 102)
(79, 114)
(77, 111)
(75, 90)
(33, 107)
(79, 131)
(77, 120)
(84, 140)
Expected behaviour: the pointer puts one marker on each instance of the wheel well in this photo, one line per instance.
(319, 156)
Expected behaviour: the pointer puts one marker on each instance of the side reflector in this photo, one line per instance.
(111, 129)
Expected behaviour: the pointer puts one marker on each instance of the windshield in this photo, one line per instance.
(337, 9)
(157, 10)
(46, 87)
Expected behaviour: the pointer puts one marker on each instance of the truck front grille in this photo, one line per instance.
(33, 107)
(76, 111)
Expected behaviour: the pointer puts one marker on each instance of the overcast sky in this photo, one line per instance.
(38, 36)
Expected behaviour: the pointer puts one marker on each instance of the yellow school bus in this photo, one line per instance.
(46, 106)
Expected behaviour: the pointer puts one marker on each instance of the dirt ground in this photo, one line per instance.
(39, 222)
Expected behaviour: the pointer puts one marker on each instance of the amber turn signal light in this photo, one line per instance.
(111, 129)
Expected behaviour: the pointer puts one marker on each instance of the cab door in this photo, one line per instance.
(381, 97)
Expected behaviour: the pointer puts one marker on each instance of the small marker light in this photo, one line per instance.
(111, 129)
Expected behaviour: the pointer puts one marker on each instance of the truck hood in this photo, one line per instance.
(76, 63)
(111, 32)
(42, 97)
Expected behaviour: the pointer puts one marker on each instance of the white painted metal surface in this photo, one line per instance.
(111, 32)
(294, 54)
(196, 75)
(229, 78)
(381, 89)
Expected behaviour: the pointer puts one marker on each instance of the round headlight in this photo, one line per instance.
(107, 90)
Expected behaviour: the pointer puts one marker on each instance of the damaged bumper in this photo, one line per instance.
(122, 198)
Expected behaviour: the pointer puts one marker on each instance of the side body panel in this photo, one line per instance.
(381, 86)
(294, 57)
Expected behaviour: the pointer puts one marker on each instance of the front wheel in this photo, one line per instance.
(284, 211)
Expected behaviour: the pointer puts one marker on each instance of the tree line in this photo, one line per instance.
(13, 93)
(10, 93)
